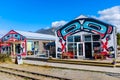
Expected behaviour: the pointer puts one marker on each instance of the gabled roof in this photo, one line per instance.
(12, 36)
(31, 35)
(81, 16)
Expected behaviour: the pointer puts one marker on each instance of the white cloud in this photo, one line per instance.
(111, 15)
(58, 23)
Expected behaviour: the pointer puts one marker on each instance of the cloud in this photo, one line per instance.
(58, 23)
(111, 15)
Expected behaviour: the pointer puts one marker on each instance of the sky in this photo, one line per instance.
(32, 15)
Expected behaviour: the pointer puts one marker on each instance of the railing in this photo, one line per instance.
(43, 53)
(35, 53)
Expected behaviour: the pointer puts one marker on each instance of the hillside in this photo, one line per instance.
(50, 31)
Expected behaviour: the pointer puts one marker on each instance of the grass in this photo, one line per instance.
(5, 58)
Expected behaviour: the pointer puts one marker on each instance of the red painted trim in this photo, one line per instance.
(11, 32)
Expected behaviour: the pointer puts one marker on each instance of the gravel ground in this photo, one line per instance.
(4, 76)
(71, 74)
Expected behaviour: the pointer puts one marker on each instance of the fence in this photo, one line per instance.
(44, 53)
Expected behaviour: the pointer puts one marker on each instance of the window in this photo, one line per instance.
(70, 47)
(70, 38)
(77, 38)
(96, 47)
(87, 37)
(80, 49)
(96, 37)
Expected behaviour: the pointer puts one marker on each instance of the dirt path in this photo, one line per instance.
(4, 76)
(71, 74)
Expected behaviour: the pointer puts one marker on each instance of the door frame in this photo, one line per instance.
(90, 50)
(13, 48)
(83, 56)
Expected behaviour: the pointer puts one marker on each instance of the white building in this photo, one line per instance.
(85, 37)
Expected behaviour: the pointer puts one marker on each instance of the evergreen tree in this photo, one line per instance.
(118, 39)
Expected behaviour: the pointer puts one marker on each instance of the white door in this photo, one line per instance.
(80, 50)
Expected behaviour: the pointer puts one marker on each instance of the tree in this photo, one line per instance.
(118, 39)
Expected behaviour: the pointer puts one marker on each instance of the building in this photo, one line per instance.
(86, 37)
(24, 43)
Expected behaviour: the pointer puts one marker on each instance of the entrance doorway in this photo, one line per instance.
(17, 48)
(84, 45)
(80, 49)
(88, 50)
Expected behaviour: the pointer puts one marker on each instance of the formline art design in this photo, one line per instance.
(86, 26)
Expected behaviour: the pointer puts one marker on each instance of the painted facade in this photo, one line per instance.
(24, 43)
(13, 43)
(86, 36)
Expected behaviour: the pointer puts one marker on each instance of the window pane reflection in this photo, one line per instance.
(96, 47)
(70, 39)
(87, 37)
(77, 38)
(70, 47)
(96, 37)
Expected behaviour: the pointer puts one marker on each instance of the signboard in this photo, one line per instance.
(19, 59)
(4, 44)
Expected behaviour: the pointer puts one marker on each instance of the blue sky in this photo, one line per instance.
(31, 15)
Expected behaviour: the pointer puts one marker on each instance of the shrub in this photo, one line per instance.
(5, 58)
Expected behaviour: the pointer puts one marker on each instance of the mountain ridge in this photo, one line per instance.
(50, 31)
